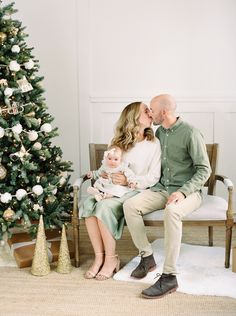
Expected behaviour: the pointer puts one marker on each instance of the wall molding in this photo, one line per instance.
(201, 103)
(183, 98)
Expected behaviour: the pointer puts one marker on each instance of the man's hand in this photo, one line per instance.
(119, 178)
(175, 197)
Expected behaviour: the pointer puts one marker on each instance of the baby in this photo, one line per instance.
(111, 163)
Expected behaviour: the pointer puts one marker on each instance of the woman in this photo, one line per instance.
(105, 219)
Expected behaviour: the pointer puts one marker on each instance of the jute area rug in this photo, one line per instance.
(22, 294)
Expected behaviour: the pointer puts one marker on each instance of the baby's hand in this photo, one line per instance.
(132, 185)
(89, 174)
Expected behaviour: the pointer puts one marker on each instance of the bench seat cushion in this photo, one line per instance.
(212, 208)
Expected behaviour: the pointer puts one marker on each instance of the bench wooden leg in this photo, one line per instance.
(210, 236)
(76, 244)
(75, 225)
(228, 240)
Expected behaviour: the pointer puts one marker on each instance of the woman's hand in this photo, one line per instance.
(119, 178)
(104, 175)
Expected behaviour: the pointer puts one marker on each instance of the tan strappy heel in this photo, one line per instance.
(91, 274)
(102, 276)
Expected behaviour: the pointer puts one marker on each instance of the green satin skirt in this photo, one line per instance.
(109, 211)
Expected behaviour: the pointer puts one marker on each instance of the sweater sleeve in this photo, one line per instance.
(201, 164)
(154, 170)
(129, 174)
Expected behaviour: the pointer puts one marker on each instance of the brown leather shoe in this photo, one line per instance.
(167, 283)
(146, 265)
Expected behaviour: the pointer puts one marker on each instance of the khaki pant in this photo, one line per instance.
(149, 201)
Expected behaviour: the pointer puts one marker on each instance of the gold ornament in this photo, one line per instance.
(14, 30)
(50, 199)
(8, 214)
(3, 37)
(40, 264)
(4, 111)
(64, 264)
(3, 172)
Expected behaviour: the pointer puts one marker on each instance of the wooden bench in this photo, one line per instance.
(214, 211)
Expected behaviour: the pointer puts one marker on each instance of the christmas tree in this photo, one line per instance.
(33, 176)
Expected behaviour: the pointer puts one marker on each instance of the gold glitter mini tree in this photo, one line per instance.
(64, 264)
(40, 264)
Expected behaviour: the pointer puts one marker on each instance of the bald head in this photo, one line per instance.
(165, 102)
(163, 109)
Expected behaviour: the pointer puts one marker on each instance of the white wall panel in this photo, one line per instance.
(140, 46)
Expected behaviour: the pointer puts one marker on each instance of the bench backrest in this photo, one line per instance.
(96, 152)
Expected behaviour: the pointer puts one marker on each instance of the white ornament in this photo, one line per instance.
(20, 194)
(54, 191)
(46, 127)
(7, 17)
(29, 64)
(64, 174)
(2, 132)
(37, 146)
(14, 66)
(2, 243)
(37, 189)
(8, 92)
(36, 207)
(6, 197)
(32, 135)
(17, 129)
(62, 181)
(39, 120)
(15, 49)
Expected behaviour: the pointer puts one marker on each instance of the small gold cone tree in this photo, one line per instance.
(40, 264)
(64, 263)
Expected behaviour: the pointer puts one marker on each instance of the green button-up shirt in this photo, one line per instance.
(185, 165)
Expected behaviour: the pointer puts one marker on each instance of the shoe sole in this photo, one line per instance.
(149, 270)
(159, 296)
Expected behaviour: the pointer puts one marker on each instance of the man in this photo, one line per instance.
(185, 169)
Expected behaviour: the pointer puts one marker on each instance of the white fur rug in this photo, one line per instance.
(201, 270)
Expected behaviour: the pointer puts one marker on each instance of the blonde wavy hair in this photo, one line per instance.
(128, 127)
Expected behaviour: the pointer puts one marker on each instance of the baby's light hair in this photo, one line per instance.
(112, 150)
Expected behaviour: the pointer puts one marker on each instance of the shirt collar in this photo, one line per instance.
(174, 126)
